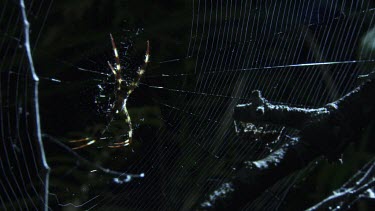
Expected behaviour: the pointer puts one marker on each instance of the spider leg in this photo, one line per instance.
(141, 70)
(79, 140)
(117, 70)
(112, 69)
(147, 56)
(82, 140)
(117, 59)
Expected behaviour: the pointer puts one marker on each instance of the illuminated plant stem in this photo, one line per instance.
(324, 131)
(35, 79)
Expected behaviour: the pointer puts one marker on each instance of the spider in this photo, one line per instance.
(123, 89)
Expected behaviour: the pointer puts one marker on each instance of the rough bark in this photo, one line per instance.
(323, 131)
(360, 186)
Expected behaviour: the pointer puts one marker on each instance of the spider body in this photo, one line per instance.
(122, 90)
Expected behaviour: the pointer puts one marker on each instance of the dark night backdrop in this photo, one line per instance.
(75, 34)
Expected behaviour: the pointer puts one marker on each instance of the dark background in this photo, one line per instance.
(70, 35)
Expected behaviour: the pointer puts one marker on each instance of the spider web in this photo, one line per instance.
(206, 57)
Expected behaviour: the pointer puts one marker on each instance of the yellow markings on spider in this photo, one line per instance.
(120, 106)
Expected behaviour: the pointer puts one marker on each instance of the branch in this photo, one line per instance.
(323, 131)
(327, 129)
(261, 111)
(253, 177)
(361, 185)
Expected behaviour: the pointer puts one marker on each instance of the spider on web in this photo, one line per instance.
(122, 90)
